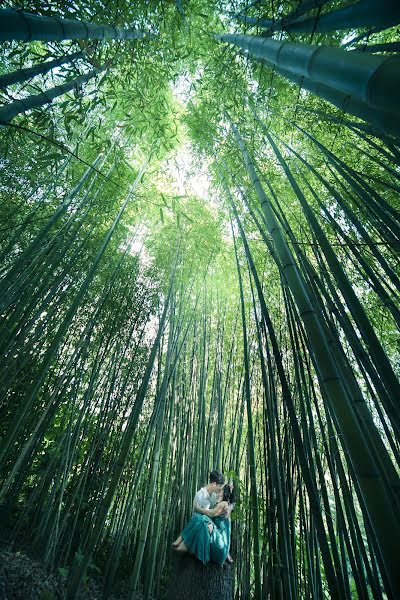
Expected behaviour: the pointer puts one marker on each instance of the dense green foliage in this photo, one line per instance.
(200, 269)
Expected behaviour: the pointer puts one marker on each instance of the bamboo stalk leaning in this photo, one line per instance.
(11, 110)
(24, 26)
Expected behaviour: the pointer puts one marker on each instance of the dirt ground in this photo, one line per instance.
(22, 578)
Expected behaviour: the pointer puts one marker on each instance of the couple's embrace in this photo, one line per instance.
(208, 533)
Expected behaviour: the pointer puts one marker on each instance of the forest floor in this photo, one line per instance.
(22, 578)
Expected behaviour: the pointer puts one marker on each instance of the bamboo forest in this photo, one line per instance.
(199, 241)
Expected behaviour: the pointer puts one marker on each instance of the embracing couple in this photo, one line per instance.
(208, 533)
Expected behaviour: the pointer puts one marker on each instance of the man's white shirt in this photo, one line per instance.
(203, 499)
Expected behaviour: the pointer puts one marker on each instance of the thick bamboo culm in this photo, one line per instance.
(11, 110)
(372, 80)
(364, 85)
(20, 25)
(382, 14)
(40, 69)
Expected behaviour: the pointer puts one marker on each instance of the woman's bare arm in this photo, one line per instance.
(210, 512)
(229, 510)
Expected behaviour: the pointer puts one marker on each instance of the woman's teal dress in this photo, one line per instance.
(196, 536)
(220, 540)
(206, 546)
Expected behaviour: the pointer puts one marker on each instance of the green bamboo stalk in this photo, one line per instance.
(382, 122)
(363, 13)
(250, 442)
(373, 547)
(364, 468)
(349, 213)
(359, 227)
(27, 311)
(54, 257)
(74, 507)
(53, 348)
(20, 25)
(279, 24)
(332, 78)
(286, 550)
(333, 578)
(11, 110)
(310, 432)
(372, 278)
(52, 406)
(345, 376)
(50, 188)
(389, 215)
(387, 47)
(12, 279)
(33, 439)
(156, 546)
(155, 464)
(358, 558)
(115, 553)
(81, 566)
(372, 435)
(39, 69)
(372, 80)
(338, 310)
(360, 129)
(377, 353)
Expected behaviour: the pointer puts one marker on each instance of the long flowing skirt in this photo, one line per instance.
(196, 536)
(220, 540)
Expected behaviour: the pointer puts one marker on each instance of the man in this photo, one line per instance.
(206, 498)
(204, 503)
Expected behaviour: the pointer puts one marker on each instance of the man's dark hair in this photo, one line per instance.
(216, 477)
(228, 494)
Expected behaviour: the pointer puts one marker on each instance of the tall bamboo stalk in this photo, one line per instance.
(39, 69)
(384, 523)
(250, 438)
(20, 25)
(368, 80)
(11, 110)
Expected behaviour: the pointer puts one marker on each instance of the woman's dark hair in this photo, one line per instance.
(228, 494)
(216, 477)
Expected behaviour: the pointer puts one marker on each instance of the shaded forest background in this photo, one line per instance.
(199, 237)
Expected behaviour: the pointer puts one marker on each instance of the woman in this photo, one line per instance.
(220, 539)
(209, 538)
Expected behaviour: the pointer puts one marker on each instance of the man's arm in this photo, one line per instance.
(211, 512)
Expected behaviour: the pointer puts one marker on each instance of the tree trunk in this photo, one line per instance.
(189, 579)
